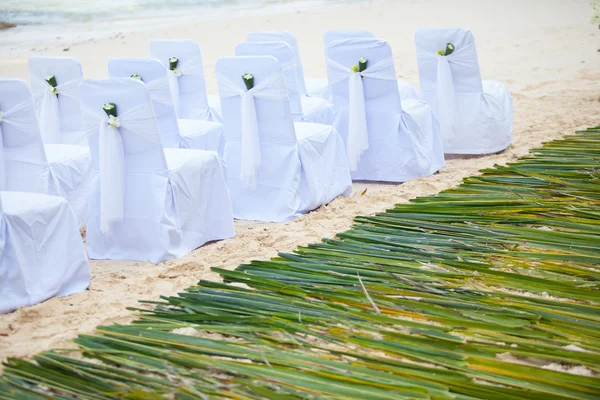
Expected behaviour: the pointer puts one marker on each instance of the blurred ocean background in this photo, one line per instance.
(42, 21)
(43, 12)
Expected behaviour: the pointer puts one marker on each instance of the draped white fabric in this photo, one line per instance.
(160, 90)
(403, 140)
(174, 200)
(2, 162)
(446, 96)
(303, 108)
(191, 67)
(272, 89)
(138, 120)
(475, 116)
(41, 251)
(358, 138)
(18, 117)
(303, 165)
(48, 107)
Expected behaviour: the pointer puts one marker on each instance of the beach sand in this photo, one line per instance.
(544, 51)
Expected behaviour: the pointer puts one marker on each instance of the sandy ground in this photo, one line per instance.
(543, 50)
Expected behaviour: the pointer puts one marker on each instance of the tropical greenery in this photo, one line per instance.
(488, 291)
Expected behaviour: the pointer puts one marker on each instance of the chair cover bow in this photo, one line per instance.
(48, 109)
(19, 117)
(191, 67)
(272, 88)
(358, 138)
(446, 95)
(139, 121)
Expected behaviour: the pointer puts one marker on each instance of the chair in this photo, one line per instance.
(188, 86)
(407, 91)
(304, 108)
(276, 169)
(387, 138)
(41, 251)
(174, 133)
(59, 115)
(306, 87)
(475, 117)
(147, 203)
(27, 165)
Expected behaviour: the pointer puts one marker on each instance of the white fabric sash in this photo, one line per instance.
(160, 91)
(47, 107)
(358, 138)
(140, 121)
(446, 95)
(20, 117)
(273, 89)
(191, 67)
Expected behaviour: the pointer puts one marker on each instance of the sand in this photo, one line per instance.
(544, 51)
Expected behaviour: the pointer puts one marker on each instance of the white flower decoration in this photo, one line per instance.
(52, 90)
(176, 72)
(114, 121)
(1, 115)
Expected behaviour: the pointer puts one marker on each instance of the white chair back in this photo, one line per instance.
(369, 114)
(154, 75)
(277, 178)
(23, 163)
(381, 95)
(129, 158)
(66, 117)
(289, 38)
(285, 55)
(192, 102)
(464, 65)
(341, 34)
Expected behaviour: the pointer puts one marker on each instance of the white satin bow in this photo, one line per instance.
(358, 138)
(47, 107)
(272, 88)
(139, 121)
(446, 95)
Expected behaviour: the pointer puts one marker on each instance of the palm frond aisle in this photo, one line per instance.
(489, 290)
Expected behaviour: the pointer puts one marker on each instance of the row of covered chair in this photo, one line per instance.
(171, 167)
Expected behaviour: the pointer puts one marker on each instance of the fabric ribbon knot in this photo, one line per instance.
(358, 139)
(139, 121)
(47, 106)
(273, 89)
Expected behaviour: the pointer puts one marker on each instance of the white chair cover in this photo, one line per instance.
(147, 203)
(386, 140)
(59, 116)
(187, 86)
(41, 251)
(26, 165)
(197, 134)
(343, 34)
(306, 87)
(407, 91)
(475, 117)
(276, 169)
(304, 108)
